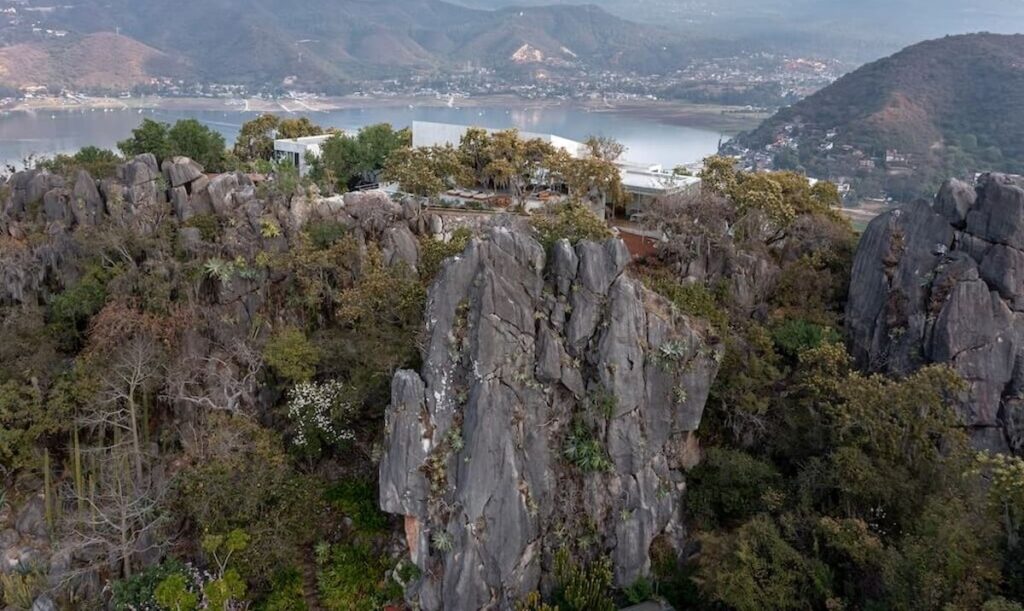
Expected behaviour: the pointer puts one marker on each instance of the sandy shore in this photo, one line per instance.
(722, 118)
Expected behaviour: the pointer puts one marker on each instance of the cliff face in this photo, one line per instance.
(944, 283)
(557, 401)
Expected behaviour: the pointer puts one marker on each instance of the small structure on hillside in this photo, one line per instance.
(645, 183)
(299, 150)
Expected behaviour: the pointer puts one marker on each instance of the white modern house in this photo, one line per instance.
(646, 183)
(643, 182)
(298, 150)
(426, 134)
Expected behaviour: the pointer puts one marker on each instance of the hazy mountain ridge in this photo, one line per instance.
(858, 31)
(325, 41)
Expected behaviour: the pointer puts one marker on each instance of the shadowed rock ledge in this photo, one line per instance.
(527, 358)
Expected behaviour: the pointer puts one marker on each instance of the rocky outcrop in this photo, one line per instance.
(181, 171)
(533, 365)
(944, 283)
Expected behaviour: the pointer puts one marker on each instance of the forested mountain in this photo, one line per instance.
(945, 107)
(325, 41)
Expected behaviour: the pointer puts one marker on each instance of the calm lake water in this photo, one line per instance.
(46, 133)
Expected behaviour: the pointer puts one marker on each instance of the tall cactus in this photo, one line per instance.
(47, 492)
(79, 479)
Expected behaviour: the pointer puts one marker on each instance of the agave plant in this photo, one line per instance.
(442, 541)
(220, 270)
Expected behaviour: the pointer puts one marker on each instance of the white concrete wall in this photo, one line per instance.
(300, 147)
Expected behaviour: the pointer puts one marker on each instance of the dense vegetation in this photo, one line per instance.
(197, 390)
(948, 106)
(183, 443)
(821, 487)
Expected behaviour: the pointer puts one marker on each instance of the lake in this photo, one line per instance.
(45, 133)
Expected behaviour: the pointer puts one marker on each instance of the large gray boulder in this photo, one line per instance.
(86, 202)
(373, 211)
(138, 171)
(220, 190)
(944, 283)
(181, 171)
(526, 355)
(400, 246)
(57, 207)
(40, 184)
(138, 182)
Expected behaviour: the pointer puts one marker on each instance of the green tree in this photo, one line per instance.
(339, 162)
(718, 175)
(604, 147)
(149, 137)
(730, 486)
(574, 222)
(256, 138)
(192, 139)
(376, 143)
(514, 163)
(299, 127)
(241, 479)
(587, 178)
(173, 594)
(99, 163)
(290, 353)
(426, 172)
(762, 192)
(475, 152)
(755, 568)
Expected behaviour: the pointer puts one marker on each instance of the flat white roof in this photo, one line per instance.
(306, 139)
(429, 133)
(646, 181)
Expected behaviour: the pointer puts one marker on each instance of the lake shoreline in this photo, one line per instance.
(726, 119)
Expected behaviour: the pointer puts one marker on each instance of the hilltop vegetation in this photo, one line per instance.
(946, 107)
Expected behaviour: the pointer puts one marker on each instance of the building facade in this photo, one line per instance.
(299, 150)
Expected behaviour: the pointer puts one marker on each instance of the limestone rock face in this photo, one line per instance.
(525, 352)
(944, 283)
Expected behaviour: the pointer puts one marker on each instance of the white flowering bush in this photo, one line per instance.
(320, 415)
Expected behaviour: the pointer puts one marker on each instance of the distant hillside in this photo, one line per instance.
(96, 61)
(327, 41)
(950, 106)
